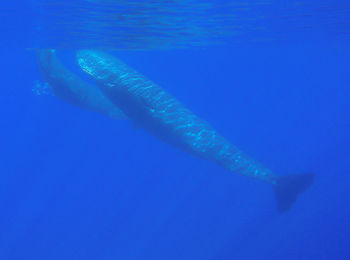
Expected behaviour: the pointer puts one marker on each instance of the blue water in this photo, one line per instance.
(78, 185)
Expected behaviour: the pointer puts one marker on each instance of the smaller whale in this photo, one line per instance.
(72, 89)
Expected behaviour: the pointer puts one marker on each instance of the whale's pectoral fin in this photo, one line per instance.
(287, 188)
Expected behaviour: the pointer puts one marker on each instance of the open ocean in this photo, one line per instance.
(271, 76)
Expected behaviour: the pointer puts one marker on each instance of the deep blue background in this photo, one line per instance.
(78, 185)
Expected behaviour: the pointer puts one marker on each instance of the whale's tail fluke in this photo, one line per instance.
(287, 188)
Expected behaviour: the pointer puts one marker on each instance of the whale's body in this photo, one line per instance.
(155, 110)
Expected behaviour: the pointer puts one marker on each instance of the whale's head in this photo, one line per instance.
(47, 59)
(102, 66)
(97, 64)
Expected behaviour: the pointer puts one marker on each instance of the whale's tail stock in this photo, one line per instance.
(287, 188)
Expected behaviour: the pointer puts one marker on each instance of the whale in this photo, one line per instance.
(70, 88)
(150, 107)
